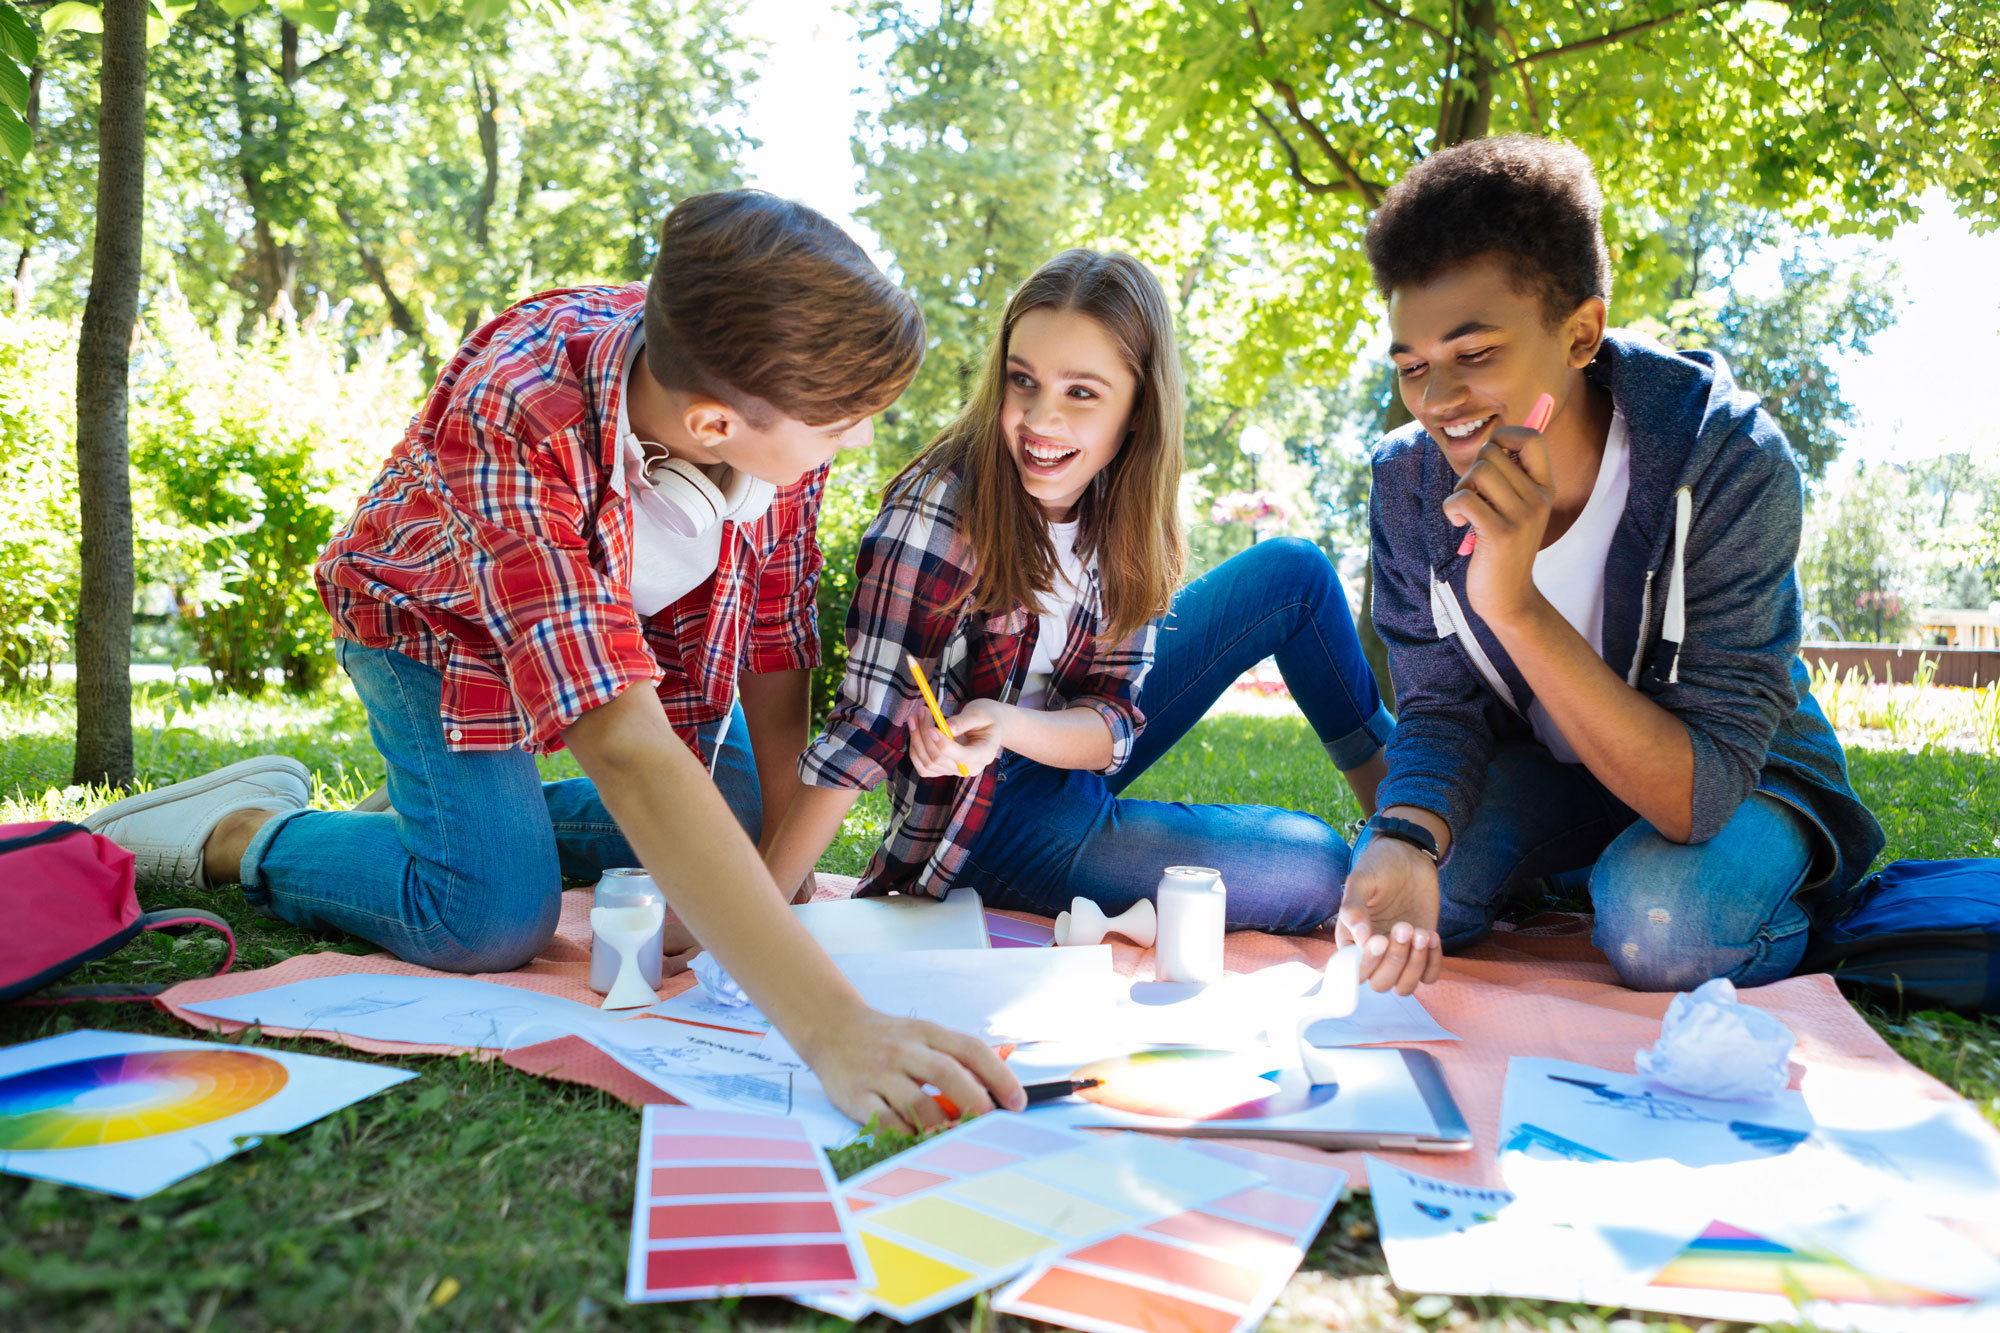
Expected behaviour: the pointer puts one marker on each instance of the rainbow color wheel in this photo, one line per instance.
(1190, 1083)
(118, 1098)
(1727, 1258)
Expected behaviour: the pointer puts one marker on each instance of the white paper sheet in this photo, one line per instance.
(1941, 1156)
(1848, 1144)
(996, 994)
(665, 1046)
(1236, 1009)
(143, 1112)
(1553, 1109)
(904, 923)
(797, 1095)
(1648, 1252)
(432, 1011)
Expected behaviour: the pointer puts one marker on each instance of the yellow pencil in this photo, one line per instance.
(917, 670)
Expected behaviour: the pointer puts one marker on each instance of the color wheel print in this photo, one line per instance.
(1190, 1083)
(117, 1098)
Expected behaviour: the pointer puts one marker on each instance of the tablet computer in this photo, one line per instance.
(1383, 1098)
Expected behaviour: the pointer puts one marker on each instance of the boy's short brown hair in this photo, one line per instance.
(765, 305)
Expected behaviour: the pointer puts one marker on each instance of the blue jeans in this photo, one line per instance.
(465, 872)
(1669, 916)
(1055, 834)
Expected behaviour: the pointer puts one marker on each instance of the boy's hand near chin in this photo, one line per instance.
(1390, 909)
(1506, 497)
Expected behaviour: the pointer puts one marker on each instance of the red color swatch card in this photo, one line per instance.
(1215, 1268)
(729, 1204)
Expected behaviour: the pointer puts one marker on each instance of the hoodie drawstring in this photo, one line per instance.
(1673, 626)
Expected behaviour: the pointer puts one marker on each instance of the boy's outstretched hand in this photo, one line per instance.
(880, 1065)
(1390, 909)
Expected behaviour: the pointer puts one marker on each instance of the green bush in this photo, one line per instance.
(248, 453)
(850, 502)
(38, 522)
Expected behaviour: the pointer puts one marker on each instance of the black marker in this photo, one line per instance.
(1064, 1087)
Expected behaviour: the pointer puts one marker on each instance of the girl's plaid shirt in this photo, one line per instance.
(911, 588)
(496, 545)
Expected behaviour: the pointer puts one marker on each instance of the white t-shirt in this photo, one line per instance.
(665, 567)
(1570, 573)
(1056, 607)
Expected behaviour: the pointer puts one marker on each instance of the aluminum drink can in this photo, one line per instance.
(1193, 906)
(625, 887)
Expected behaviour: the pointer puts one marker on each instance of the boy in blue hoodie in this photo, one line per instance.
(1603, 676)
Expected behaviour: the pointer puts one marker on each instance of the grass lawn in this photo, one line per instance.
(475, 1197)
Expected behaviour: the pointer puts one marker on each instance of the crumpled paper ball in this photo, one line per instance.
(1712, 1045)
(721, 987)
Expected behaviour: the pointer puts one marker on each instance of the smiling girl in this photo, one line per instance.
(1026, 558)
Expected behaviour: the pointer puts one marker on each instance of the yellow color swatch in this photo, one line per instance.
(956, 1229)
(1053, 1209)
(904, 1277)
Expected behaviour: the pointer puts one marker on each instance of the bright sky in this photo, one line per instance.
(1920, 392)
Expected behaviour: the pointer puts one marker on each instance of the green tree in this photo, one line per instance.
(976, 173)
(1289, 121)
(103, 638)
(1782, 343)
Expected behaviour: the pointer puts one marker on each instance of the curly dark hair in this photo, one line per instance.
(1534, 202)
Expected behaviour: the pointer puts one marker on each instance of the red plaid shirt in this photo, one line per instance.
(496, 545)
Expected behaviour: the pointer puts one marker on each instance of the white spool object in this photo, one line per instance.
(1085, 923)
(1193, 910)
(627, 931)
(1336, 996)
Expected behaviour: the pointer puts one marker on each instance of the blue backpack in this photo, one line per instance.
(1925, 932)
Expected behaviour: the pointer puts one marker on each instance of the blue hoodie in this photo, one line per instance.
(1702, 613)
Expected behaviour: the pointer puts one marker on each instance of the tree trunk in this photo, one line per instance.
(103, 355)
(1468, 113)
(486, 102)
(378, 273)
(274, 267)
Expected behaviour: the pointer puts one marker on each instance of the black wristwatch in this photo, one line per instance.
(1405, 830)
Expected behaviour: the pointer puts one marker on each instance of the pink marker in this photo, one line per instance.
(1538, 419)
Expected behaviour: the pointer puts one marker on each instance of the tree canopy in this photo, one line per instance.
(1282, 124)
(426, 163)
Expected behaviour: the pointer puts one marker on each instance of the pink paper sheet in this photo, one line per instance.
(1539, 989)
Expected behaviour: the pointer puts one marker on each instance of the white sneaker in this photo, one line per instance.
(165, 830)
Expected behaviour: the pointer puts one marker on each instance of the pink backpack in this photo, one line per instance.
(66, 896)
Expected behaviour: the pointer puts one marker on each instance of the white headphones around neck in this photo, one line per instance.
(692, 504)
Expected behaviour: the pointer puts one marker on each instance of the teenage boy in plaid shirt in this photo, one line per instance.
(599, 533)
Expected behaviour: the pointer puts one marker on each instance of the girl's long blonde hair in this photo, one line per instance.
(1129, 515)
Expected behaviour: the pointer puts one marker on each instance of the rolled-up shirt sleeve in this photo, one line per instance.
(568, 638)
(1111, 690)
(900, 607)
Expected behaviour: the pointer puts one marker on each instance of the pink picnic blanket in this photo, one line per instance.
(1536, 990)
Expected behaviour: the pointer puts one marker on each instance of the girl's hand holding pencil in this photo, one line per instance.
(972, 740)
(936, 751)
